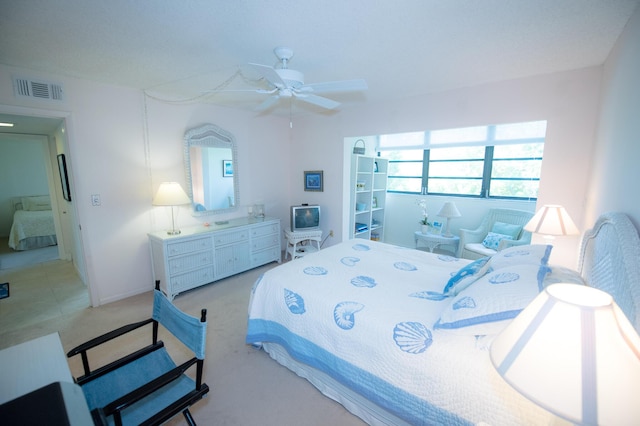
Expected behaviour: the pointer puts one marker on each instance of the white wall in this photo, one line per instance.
(123, 151)
(615, 174)
(568, 101)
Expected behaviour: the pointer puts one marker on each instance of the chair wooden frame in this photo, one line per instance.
(117, 406)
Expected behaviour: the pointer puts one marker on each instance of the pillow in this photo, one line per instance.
(533, 254)
(465, 276)
(507, 229)
(560, 274)
(493, 300)
(36, 203)
(493, 239)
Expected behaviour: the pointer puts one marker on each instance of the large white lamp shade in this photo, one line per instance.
(171, 194)
(552, 220)
(573, 352)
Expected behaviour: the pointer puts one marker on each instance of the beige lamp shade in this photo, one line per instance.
(170, 194)
(573, 352)
(448, 210)
(552, 220)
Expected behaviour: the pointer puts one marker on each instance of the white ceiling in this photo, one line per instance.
(401, 48)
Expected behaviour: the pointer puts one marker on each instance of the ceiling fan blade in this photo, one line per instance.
(317, 100)
(269, 74)
(268, 103)
(337, 86)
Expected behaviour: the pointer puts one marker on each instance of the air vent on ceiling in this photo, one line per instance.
(37, 89)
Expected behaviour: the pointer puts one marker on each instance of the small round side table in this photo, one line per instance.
(433, 241)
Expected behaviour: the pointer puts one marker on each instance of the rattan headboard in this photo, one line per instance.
(610, 260)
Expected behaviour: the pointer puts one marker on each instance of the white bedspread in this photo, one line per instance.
(359, 312)
(29, 224)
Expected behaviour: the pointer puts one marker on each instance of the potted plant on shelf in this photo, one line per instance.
(424, 222)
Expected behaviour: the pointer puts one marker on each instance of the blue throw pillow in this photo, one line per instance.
(465, 276)
(492, 240)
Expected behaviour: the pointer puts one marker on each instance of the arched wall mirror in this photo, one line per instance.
(211, 165)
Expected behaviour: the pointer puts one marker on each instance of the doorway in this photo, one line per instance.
(51, 127)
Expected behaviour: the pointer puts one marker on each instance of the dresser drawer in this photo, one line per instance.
(264, 242)
(178, 265)
(183, 247)
(265, 256)
(271, 228)
(180, 283)
(230, 237)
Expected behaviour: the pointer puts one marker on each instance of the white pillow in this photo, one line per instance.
(534, 254)
(492, 301)
(38, 203)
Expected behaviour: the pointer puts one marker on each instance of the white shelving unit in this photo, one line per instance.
(368, 196)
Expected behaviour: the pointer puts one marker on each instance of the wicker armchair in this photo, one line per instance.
(471, 246)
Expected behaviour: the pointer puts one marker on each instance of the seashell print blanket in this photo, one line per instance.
(360, 312)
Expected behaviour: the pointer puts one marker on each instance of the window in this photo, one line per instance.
(501, 161)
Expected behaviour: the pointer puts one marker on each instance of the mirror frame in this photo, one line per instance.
(212, 136)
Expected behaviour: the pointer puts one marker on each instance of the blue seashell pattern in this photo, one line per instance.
(429, 295)
(405, 266)
(412, 337)
(343, 314)
(363, 281)
(504, 277)
(349, 260)
(361, 247)
(464, 303)
(446, 258)
(315, 270)
(516, 253)
(294, 302)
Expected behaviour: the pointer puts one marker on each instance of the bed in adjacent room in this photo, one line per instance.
(401, 336)
(32, 225)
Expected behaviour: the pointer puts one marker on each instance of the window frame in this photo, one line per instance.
(488, 163)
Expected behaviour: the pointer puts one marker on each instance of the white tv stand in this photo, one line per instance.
(200, 255)
(295, 238)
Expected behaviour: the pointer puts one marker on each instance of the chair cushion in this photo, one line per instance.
(492, 240)
(480, 249)
(507, 229)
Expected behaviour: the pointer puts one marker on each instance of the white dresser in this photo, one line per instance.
(200, 255)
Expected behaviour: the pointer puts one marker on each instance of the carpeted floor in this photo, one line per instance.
(11, 259)
(247, 386)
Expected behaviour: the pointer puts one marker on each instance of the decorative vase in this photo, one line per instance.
(424, 228)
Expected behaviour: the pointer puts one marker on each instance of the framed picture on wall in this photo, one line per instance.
(64, 177)
(227, 168)
(313, 180)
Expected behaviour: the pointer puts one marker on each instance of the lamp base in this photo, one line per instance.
(173, 231)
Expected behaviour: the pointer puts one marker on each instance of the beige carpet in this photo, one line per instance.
(247, 386)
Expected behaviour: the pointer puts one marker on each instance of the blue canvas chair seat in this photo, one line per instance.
(147, 387)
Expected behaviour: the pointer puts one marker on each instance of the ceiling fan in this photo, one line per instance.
(288, 83)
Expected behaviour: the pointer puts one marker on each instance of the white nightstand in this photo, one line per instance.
(432, 241)
(296, 249)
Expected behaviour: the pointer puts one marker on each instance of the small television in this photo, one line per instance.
(305, 217)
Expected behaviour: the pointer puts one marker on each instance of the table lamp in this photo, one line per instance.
(551, 221)
(448, 211)
(171, 194)
(573, 352)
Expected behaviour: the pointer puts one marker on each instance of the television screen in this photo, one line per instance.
(305, 217)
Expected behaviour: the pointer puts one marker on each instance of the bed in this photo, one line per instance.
(401, 336)
(32, 225)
